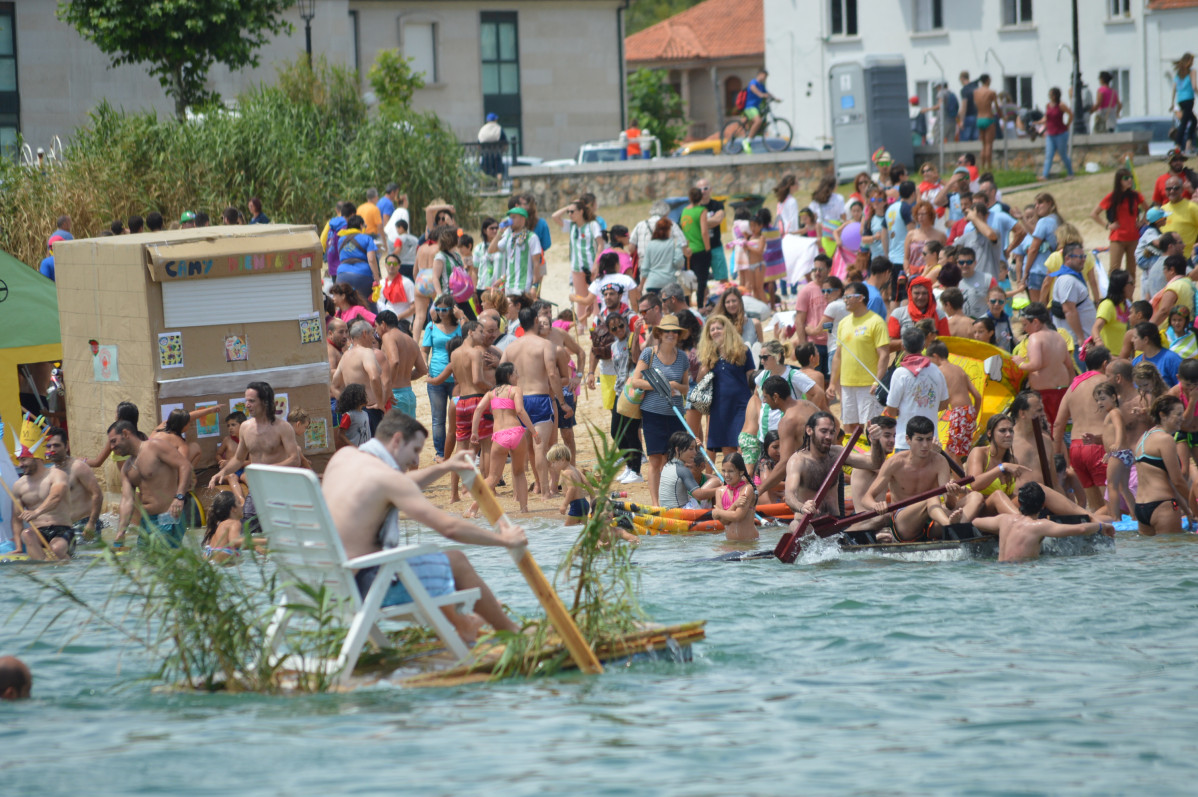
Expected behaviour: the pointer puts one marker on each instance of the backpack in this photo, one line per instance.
(461, 284)
(742, 97)
(601, 342)
(333, 253)
(1058, 309)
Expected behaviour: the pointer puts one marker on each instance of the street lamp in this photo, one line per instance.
(307, 10)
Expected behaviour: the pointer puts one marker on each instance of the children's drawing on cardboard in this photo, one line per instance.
(167, 409)
(237, 404)
(237, 348)
(282, 406)
(170, 349)
(310, 329)
(104, 364)
(208, 425)
(317, 435)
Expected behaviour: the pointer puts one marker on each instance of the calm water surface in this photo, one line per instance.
(841, 675)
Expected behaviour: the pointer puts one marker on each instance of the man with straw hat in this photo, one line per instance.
(44, 513)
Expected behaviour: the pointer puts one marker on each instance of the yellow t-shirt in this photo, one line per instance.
(1184, 289)
(1182, 218)
(1113, 331)
(862, 336)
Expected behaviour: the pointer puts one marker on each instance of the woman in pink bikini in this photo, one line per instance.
(506, 403)
(736, 500)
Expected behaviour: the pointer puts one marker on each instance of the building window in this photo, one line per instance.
(732, 87)
(10, 104)
(844, 17)
(1119, 8)
(420, 47)
(1019, 89)
(1121, 83)
(499, 50)
(1017, 12)
(928, 15)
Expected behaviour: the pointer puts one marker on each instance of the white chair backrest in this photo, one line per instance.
(300, 533)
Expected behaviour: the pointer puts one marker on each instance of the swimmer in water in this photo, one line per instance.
(1019, 536)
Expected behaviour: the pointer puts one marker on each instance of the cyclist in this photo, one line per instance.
(756, 97)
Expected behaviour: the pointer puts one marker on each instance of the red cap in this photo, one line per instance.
(53, 240)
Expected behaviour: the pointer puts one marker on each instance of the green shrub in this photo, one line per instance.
(302, 144)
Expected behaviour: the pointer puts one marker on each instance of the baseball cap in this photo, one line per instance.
(187, 217)
(1154, 215)
(492, 117)
(961, 170)
(53, 240)
(1174, 155)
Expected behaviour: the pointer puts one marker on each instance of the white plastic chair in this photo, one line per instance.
(305, 545)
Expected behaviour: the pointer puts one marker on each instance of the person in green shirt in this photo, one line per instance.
(695, 228)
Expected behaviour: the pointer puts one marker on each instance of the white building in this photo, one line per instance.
(552, 69)
(1022, 44)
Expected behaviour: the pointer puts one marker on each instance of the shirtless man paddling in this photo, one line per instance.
(44, 494)
(265, 439)
(84, 496)
(154, 483)
(1019, 536)
(792, 428)
(362, 488)
(807, 469)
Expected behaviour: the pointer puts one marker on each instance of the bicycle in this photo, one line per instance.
(775, 133)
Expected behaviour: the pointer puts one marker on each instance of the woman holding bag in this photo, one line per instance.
(659, 420)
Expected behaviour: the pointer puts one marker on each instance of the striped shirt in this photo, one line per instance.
(518, 255)
(582, 244)
(486, 264)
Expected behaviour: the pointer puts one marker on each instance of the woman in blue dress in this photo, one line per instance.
(1043, 243)
(723, 353)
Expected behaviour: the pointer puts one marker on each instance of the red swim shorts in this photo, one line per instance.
(1088, 464)
(466, 406)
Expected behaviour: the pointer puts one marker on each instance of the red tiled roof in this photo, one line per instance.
(712, 29)
(1166, 5)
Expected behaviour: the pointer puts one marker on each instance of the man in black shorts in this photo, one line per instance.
(44, 508)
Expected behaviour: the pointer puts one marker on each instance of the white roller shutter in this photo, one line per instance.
(237, 300)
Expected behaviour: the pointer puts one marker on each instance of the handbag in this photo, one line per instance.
(628, 403)
(701, 395)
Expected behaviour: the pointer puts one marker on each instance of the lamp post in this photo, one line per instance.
(307, 10)
(939, 101)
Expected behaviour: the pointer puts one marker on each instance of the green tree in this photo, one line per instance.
(179, 40)
(643, 13)
(655, 105)
(393, 81)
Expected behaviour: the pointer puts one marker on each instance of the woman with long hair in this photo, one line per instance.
(1184, 80)
(1057, 118)
(1043, 242)
(983, 330)
(349, 303)
(678, 483)
(723, 353)
(1110, 326)
(1120, 213)
(918, 236)
(426, 284)
(486, 263)
(222, 538)
(993, 466)
(434, 345)
(862, 184)
(662, 258)
(505, 402)
(1163, 489)
(730, 305)
(586, 239)
(873, 228)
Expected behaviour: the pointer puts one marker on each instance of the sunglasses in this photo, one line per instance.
(996, 301)
(964, 262)
(829, 290)
(853, 296)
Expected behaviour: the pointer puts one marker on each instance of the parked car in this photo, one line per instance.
(1159, 126)
(606, 152)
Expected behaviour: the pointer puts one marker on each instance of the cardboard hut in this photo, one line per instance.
(29, 320)
(186, 319)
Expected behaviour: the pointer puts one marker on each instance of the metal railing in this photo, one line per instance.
(490, 164)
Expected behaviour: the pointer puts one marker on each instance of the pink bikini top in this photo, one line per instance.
(499, 402)
(731, 494)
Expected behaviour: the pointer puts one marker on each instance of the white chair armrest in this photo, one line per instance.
(389, 555)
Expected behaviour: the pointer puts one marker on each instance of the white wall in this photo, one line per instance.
(800, 50)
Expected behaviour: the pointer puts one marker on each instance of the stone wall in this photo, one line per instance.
(627, 182)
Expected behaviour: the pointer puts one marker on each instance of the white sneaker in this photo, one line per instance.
(623, 474)
(633, 478)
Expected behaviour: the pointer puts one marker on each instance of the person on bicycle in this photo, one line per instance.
(755, 99)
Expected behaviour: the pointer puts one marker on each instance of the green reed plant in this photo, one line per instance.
(596, 580)
(302, 144)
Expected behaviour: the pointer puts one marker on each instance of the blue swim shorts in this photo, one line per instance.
(161, 528)
(432, 569)
(405, 400)
(539, 408)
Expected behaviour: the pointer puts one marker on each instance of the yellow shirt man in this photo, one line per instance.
(1181, 217)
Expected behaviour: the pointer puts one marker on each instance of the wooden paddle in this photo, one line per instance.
(1046, 469)
(561, 619)
(827, 526)
(17, 509)
(787, 549)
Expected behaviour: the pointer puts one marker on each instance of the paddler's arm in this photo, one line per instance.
(872, 499)
(404, 493)
(876, 456)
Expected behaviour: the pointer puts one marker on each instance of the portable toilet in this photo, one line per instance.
(869, 112)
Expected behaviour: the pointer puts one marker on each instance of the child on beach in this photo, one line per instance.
(964, 403)
(223, 539)
(736, 500)
(300, 421)
(354, 428)
(753, 269)
(740, 237)
(228, 445)
(562, 471)
(808, 357)
(1180, 333)
(565, 320)
(506, 403)
(1119, 458)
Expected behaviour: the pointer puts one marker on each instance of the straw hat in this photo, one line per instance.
(669, 323)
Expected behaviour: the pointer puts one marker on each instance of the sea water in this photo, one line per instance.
(842, 674)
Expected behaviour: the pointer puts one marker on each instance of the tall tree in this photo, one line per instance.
(643, 13)
(656, 106)
(179, 40)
